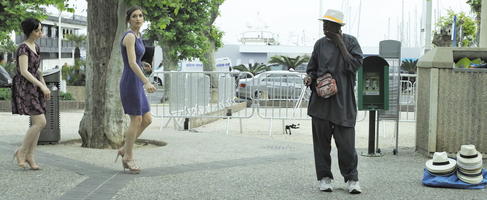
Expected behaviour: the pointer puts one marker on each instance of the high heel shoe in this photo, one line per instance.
(33, 165)
(130, 165)
(20, 161)
(119, 153)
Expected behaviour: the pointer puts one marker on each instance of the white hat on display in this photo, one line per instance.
(469, 158)
(441, 164)
(470, 178)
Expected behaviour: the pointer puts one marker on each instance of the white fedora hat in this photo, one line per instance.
(467, 171)
(470, 167)
(470, 178)
(333, 16)
(441, 164)
(469, 156)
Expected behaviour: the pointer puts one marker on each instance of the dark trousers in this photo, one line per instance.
(345, 142)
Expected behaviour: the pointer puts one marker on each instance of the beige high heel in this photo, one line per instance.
(120, 153)
(33, 165)
(20, 161)
(131, 166)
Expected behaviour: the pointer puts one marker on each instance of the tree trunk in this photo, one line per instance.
(210, 65)
(104, 122)
(169, 62)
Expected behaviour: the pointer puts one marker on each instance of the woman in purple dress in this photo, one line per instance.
(29, 91)
(132, 85)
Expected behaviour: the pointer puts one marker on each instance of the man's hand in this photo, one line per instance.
(307, 80)
(335, 37)
(147, 67)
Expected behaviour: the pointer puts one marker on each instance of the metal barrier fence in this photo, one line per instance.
(188, 95)
(407, 102)
(271, 95)
(282, 96)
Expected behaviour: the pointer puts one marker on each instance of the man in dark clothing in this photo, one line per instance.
(340, 55)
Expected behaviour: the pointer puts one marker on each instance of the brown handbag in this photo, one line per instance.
(326, 86)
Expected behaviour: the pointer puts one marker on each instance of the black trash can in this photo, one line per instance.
(5, 79)
(51, 134)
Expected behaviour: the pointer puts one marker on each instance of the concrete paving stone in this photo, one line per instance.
(206, 163)
(399, 178)
(182, 148)
(48, 183)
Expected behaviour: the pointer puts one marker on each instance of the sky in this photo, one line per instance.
(295, 22)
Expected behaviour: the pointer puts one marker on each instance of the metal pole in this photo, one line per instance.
(371, 132)
(283, 128)
(320, 12)
(454, 30)
(483, 25)
(376, 150)
(402, 22)
(60, 34)
(241, 130)
(359, 17)
(427, 37)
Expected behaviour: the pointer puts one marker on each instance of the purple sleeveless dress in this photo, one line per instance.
(134, 100)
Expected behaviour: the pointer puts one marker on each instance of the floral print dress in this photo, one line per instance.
(27, 98)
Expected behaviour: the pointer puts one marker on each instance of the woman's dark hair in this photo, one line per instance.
(130, 11)
(29, 25)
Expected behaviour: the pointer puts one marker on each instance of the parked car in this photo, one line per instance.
(157, 75)
(273, 85)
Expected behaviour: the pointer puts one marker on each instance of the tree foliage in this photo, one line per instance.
(12, 12)
(254, 69)
(475, 6)
(289, 62)
(182, 27)
(409, 65)
(442, 37)
(77, 39)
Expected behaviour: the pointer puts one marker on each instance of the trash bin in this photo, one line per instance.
(51, 133)
(451, 102)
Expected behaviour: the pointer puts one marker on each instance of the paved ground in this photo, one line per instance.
(206, 163)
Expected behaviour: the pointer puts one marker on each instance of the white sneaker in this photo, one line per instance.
(354, 187)
(325, 184)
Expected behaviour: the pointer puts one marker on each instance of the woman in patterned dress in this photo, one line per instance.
(29, 91)
(132, 85)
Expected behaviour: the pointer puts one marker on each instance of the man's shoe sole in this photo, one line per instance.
(355, 192)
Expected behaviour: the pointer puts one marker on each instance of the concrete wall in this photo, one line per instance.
(422, 109)
(462, 110)
(451, 103)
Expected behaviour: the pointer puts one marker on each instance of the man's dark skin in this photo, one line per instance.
(333, 31)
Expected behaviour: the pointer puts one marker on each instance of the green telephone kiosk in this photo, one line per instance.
(373, 84)
(373, 92)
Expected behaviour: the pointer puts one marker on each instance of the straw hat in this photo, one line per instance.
(474, 171)
(333, 16)
(470, 178)
(469, 158)
(441, 164)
